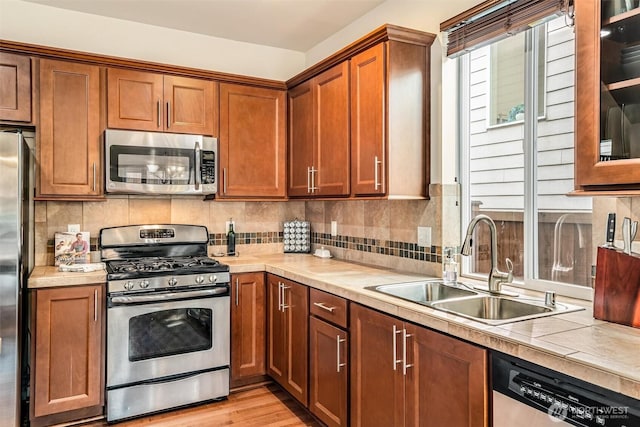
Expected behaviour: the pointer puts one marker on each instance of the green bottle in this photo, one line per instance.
(231, 239)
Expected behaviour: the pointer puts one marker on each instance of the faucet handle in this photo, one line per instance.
(509, 264)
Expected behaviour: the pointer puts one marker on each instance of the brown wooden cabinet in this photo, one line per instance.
(248, 322)
(390, 118)
(319, 135)
(69, 143)
(287, 335)
(420, 377)
(67, 368)
(252, 142)
(607, 134)
(328, 358)
(15, 87)
(155, 102)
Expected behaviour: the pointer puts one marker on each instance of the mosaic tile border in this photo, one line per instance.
(363, 244)
(378, 246)
(219, 239)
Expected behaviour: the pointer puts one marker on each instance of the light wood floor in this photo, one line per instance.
(265, 405)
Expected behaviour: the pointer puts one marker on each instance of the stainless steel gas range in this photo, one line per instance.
(168, 328)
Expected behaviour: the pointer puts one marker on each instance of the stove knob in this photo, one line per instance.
(173, 281)
(213, 278)
(199, 279)
(144, 284)
(128, 285)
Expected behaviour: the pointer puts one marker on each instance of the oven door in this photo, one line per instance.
(150, 339)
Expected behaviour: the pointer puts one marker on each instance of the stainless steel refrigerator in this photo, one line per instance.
(16, 262)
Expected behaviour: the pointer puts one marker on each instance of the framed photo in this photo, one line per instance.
(71, 248)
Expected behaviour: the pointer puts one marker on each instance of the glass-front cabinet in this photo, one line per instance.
(607, 151)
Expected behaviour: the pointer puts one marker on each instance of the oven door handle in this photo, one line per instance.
(135, 299)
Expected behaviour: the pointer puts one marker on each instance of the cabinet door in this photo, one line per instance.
(247, 326)
(68, 350)
(15, 87)
(134, 100)
(69, 146)
(301, 139)
(252, 142)
(276, 331)
(295, 305)
(447, 382)
(328, 369)
(367, 122)
(377, 383)
(607, 87)
(189, 105)
(332, 131)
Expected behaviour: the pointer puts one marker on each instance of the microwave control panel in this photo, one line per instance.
(208, 167)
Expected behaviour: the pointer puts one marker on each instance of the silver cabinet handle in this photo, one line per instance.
(159, 114)
(95, 305)
(376, 180)
(308, 179)
(279, 296)
(313, 179)
(324, 307)
(94, 176)
(237, 290)
(224, 181)
(168, 114)
(284, 299)
(405, 365)
(396, 331)
(338, 342)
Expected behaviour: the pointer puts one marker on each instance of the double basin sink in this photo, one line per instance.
(463, 300)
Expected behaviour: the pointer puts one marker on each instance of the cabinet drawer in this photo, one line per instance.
(328, 307)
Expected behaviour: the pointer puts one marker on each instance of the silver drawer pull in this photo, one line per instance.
(324, 307)
(396, 331)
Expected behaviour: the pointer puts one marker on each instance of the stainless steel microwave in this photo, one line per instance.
(160, 163)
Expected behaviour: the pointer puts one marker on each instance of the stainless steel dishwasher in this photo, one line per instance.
(528, 395)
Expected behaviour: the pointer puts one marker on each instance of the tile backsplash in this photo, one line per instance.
(380, 232)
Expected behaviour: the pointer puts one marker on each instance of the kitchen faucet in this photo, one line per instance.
(496, 277)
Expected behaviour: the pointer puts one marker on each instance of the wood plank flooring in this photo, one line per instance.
(266, 405)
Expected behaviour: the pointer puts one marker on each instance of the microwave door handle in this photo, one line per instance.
(198, 167)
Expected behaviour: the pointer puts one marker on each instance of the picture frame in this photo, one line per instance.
(71, 248)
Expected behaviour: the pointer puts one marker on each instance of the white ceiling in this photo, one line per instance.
(289, 24)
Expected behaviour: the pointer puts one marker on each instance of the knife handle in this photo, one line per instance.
(611, 228)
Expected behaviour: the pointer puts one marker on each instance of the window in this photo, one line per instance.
(506, 64)
(519, 174)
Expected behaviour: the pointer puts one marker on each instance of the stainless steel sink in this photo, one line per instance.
(480, 306)
(490, 308)
(424, 292)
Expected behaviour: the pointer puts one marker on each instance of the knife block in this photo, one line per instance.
(617, 288)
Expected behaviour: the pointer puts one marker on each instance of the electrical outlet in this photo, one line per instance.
(424, 236)
(227, 224)
(334, 228)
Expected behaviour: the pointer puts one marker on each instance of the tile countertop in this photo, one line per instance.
(576, 344)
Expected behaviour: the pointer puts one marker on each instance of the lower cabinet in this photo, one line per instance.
(328, 372)
(287, 342)
(67, 363)
(248, 321)
(406, 375)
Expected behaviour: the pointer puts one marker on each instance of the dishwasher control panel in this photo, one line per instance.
(562, 397)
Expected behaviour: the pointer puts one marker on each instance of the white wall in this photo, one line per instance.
(48, 26)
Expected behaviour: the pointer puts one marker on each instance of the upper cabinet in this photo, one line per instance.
(15, 87)
(252, 142)
(319, 135)
(155, 102)
(607, 153)
(69, 143)
(388, 119)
